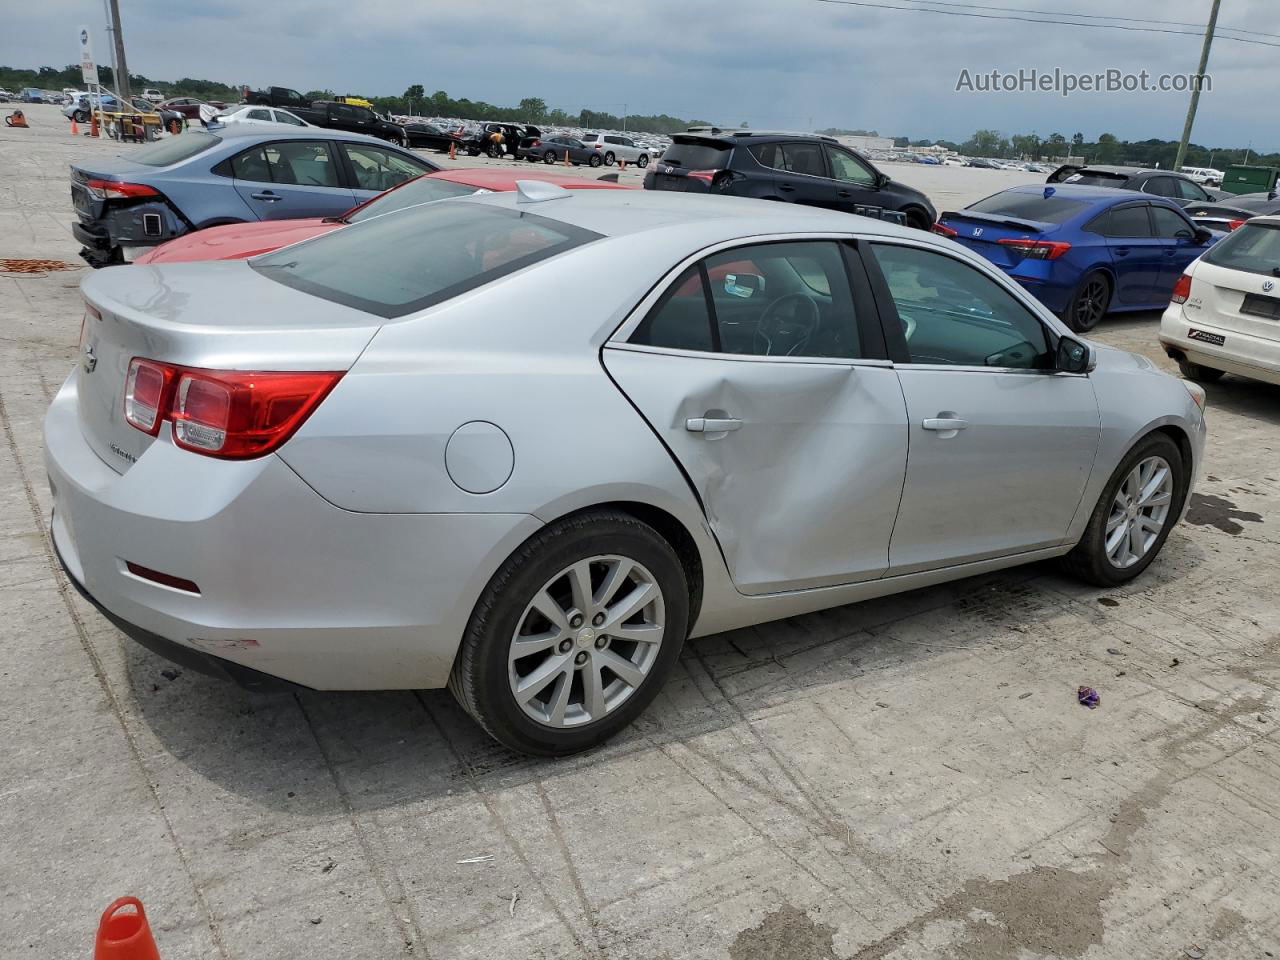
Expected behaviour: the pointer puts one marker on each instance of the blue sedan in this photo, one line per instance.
(235, 174)
(1083, 251)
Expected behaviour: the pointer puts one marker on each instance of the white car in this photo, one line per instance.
(250, 114)
(614, 147)
(1225, 313)
(151, 95)
(953, 162)
(1206, 176)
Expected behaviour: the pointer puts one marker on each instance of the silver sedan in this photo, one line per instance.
(524, 444)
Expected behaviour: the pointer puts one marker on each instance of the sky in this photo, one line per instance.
(781, 64)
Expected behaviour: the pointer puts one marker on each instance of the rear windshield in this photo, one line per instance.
(1027, 206)
(414, 258)
(1093, 179)
(1254, 248)
(409, 194)
(175, 149)
(696, 156)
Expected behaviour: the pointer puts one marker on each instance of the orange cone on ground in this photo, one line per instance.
(622, 164)
(75, 130)
(93, 124)
(124, 936)
(453, 151)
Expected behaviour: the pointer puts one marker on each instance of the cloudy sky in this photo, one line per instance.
(773, 63)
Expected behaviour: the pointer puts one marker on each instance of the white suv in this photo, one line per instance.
(612, 147)
(1225, 312)
(152, 96)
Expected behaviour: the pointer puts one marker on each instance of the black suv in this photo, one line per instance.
(1178, 187)
(796, 167)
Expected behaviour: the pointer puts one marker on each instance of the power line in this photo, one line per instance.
(880, 5)
(1089, 16)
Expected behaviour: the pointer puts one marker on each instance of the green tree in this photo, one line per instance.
(533, 108)
(416, 92)
(1078, 140)
(1107, 150)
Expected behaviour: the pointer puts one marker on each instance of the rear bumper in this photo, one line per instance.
(1240, 353)
(289, 586)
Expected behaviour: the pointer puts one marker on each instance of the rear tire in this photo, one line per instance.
(1089, 302)
(643, 161)
(1196, 371)
(918, 220)
(609, 159)
(569, 653)
(1094, 558)
(595, 160)
(549, 157)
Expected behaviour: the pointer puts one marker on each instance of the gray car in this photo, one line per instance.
(237, 173)
(388, 458)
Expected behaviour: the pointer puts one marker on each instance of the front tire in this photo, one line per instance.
(596, 160)
(1132, 519)
(918, 219)
(574, 635)
(643, 161)
(609, 159)
(1089, 303)
(1196, 371)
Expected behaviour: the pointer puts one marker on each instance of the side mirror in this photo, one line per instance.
(744, 285)
(1203, 234)
(1072, 356)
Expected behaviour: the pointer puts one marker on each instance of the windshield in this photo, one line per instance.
(415, 258)
(696, 156)
(1026, 206)
(423, 189)
(1254, 248)
(175, 149)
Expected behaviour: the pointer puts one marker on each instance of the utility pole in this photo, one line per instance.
(119, 68)
(1195, 88)
(624, 118)
(111, 35)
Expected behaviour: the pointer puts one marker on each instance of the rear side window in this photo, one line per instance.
(1123, 222)
(305, 162)
(413, 259)
(1187, 190)
(767, 154)
(1161, 187)
(1253, 248)
(697, 156)
(804, 158)
(410, 194)
(1169, 225)
(1029, 206)
(175, 149)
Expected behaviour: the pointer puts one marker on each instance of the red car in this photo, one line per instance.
(189, 107)
(238, 241)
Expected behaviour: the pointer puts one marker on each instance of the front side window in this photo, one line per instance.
(283, 116)
(1160, 187)
(768, 300)
(424, 255)
(1187, 190)
(258, 115)
(845, 166)
(379, 169)
(1169, 224)
(953, 315)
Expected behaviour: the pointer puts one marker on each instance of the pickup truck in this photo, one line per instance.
(330, 113)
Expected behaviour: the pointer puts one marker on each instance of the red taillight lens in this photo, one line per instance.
(1036, 249)
(144, 394)
(118, 190)
(1235, 224)
(225, 414)
(705, 175)
(1181, 289)
(942, 230)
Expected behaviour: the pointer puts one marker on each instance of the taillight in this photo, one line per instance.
(1036, 249)
(144, 394)
(536, 143)
(1181, 289)
(706, 176)
(942, 230)
(1235, 224)
(118, 190)
(226, 414)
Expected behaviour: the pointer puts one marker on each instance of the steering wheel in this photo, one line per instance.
(787, 325)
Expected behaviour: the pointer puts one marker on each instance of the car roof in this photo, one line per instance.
(504, 178)
(273, 131)
(615, 213)
(1129, 171)
(1081, 191)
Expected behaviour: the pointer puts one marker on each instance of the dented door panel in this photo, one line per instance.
(799, 464)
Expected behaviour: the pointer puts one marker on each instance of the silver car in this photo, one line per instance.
(613, 148)
(388, 458)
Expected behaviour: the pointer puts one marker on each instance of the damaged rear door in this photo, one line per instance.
(762, 369)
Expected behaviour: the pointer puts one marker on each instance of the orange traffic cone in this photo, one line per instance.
(622, 165)
(125, 936)
(93, 124)
(453, 151)
(566, 158)
(75, 130)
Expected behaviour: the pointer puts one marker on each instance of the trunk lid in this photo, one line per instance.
(982, 233)
(220, 315)
(1234, 300)
(688, 155)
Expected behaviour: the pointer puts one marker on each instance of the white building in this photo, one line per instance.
(865, 144)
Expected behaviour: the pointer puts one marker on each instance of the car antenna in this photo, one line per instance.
(538, 191)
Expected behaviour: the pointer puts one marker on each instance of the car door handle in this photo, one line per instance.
(944, 423)
(712, 425)
(786, 188)
(1121, 251)
(266, 195)
(844, 194)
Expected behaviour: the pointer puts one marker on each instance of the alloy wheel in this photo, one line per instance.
(1139, 512)
(587, 641)
(1091, 304)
